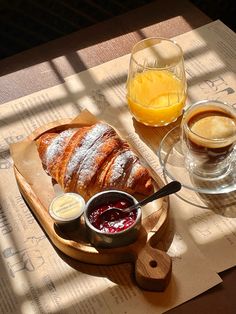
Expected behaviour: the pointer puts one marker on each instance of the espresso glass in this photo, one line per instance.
(208, 138)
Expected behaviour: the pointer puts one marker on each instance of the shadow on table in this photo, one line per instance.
(128, 22)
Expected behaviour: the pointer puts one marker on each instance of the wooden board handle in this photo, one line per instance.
(152, 268)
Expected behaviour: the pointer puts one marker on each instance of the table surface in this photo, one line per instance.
(48, 65)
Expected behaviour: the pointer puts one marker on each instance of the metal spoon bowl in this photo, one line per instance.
(168, 189)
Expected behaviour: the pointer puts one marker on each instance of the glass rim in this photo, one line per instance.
(216, 140)
(162, 39)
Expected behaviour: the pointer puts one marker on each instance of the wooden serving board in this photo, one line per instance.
(152, 266)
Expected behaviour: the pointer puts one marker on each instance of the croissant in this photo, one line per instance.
(91, 159)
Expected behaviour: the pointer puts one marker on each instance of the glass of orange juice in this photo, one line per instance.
(156, 85)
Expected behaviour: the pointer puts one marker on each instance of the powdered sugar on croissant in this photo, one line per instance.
(90, 159)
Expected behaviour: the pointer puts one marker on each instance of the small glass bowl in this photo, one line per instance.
(105, 239)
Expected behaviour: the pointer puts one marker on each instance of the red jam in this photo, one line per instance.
(115, 221)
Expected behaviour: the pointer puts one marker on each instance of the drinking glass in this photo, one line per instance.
(208, 138)
(156, 85)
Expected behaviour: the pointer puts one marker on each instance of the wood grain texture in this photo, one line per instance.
(152, 266)
(47, 65)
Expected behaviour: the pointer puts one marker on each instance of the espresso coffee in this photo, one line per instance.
(208, 139)
(211, 134)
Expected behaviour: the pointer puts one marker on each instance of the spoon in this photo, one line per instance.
(168, 189)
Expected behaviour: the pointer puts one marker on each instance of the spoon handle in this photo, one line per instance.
(168, 189)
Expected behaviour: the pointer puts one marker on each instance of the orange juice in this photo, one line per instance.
(156, 97)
